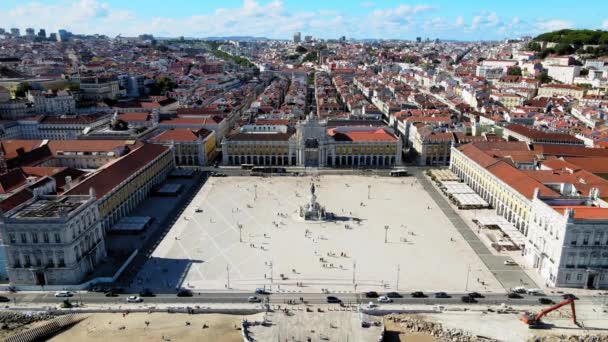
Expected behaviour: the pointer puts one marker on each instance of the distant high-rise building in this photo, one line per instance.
(308, 39)
(418, 39)
(30, 32)
(297, 37)
(15, 32)
(63, 35)
(343, 38)
(53, 36)
(42, 33)
(2, 31)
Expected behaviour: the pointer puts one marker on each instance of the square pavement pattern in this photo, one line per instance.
(245, 232)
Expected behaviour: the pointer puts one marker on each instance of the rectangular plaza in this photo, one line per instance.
(245, 232)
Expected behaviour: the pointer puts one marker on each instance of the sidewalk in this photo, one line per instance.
(507, 276)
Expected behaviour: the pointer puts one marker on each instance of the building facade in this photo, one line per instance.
(53, 240)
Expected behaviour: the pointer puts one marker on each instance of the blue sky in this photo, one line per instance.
(445, 19)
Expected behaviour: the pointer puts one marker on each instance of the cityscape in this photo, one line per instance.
(302, 172)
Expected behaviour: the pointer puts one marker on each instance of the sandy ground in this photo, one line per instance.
(318, 326)
(203, 250)
(167, 327)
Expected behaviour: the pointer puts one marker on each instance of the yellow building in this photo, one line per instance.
(549, 90)
(190, 147)
(506, 188)
(121, 185)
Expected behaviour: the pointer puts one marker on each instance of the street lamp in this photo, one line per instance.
(240, 232)
(398, 269)
(386, 234)
(255, 191)
(369, 188)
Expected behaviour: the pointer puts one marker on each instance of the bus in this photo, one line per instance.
(399, 173)
(246, 166)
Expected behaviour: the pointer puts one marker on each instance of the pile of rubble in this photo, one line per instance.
(417, 325)
(10, 320)
(569, 338)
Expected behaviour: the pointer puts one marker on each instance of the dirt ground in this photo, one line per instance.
(395, 333)
(161, 327)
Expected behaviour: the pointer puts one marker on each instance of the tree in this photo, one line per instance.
(162, 86)
(564, 49)
(544, 77)
(409, 59)
(534, 46)
(311, 57)
(301, 50)
(22, 89)
(514, 71)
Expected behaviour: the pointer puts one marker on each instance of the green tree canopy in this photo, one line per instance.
(515, 71)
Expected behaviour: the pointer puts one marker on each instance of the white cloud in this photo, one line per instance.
(459, 21)
(270, 18)
(605, 24)
(84, 16)
(400, 12)
(485, 20)
(553, 25)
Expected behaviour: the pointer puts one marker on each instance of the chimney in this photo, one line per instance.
(92, 193)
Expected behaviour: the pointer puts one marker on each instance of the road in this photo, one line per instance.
(275, 298)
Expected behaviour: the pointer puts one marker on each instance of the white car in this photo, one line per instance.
(59, 294)
(372, 305)
(254, 299)
(533, 291)
(510, 263)
(134, 299)
(519, 289)
(384, 299)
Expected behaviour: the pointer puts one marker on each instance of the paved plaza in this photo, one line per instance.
(244, 232)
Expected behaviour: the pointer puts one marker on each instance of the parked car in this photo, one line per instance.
(198, 210)
(475, 295)
(418, 294)
(146, 293)
(394, 295)
(468, 299)
(184, 293)
(569, 296)
(253, 299)
(510, 263)
(134, 299)
(514, 295)
(442, 295)
(332, 299)
(4, 299)
(371, 294)
(261, 291)
(60, 294)
(111, 294)
(534, 291)
(519, 289)
(545, 301)
(384, 299)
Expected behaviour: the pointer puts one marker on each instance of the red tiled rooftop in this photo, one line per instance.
(109, 176)
(585, 213)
